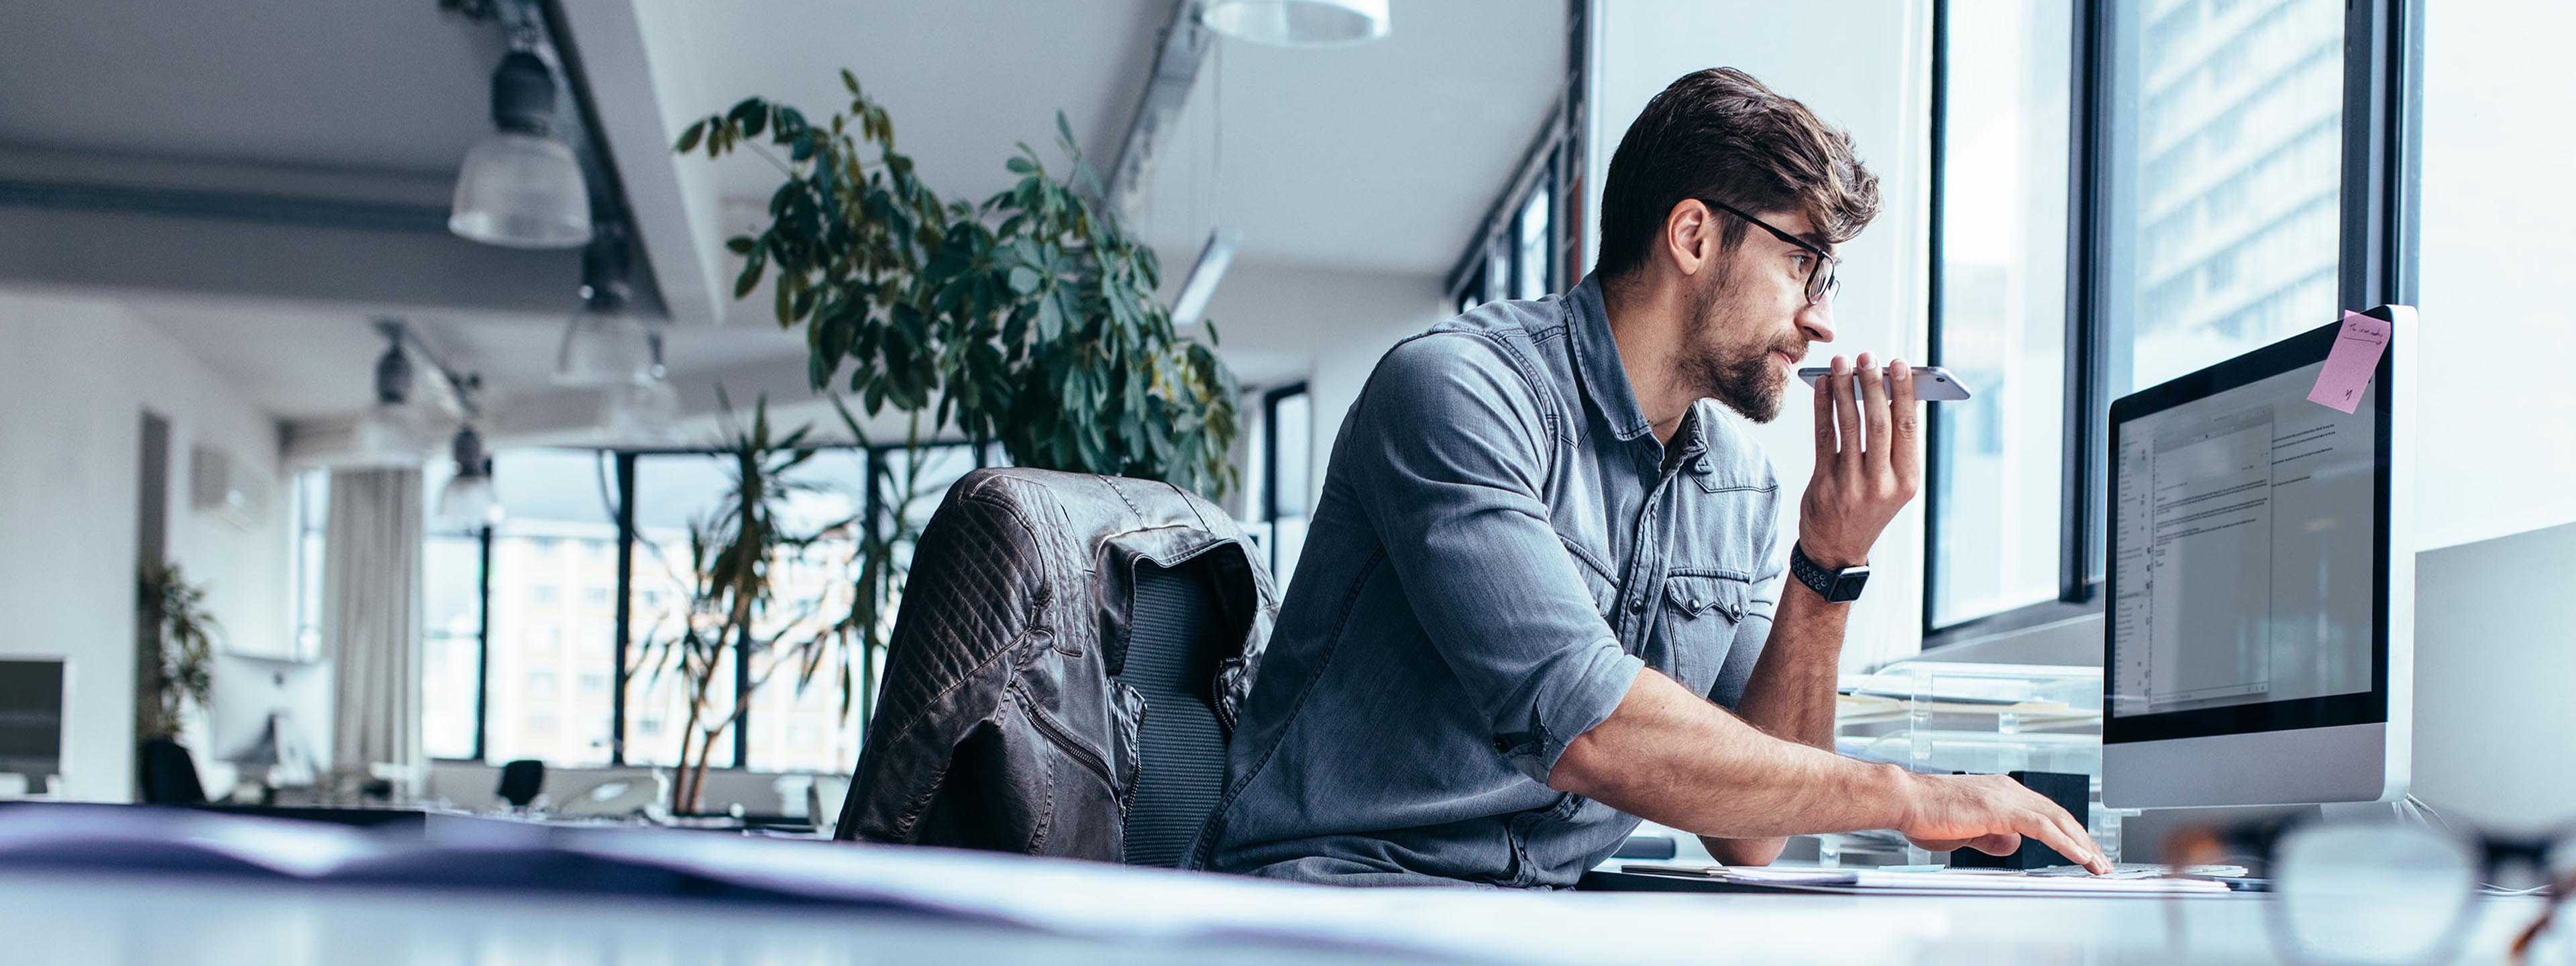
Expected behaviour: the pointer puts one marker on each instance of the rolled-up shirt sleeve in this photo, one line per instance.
(1451, 445)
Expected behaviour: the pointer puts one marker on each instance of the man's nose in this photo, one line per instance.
(1817, 321)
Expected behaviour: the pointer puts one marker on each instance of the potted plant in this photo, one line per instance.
(1031, 316)
(178, 659)
(731, 609)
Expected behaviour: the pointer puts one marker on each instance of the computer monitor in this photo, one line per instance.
(2261, 583)
(31, 718)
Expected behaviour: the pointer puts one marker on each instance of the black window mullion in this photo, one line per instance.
(2378, 34)
(483, 644)
(2085, 297)
(625, 607)
(1932, 456)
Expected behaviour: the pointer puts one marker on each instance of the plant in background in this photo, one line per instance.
(731, 609)
(180, 639)
(1032, 316)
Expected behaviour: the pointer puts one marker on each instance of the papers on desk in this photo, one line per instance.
(1948, 882)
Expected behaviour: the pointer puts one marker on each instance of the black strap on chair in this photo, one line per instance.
(1171, 661)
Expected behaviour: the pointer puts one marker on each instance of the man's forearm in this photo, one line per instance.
(1791, 692)
(1669, 755)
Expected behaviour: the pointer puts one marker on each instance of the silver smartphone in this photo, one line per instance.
(1931, 383)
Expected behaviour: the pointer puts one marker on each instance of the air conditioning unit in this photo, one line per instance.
(220, 485)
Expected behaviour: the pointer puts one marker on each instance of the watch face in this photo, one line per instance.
(1847, 584)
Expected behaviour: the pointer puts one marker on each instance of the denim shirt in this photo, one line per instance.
(1501, 546)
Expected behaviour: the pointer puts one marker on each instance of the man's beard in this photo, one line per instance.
(1741, 376)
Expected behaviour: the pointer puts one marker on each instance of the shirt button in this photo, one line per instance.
(1636, 605)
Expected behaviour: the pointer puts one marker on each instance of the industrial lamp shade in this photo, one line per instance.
(468, 496)
(1299, 23)
(604, 348)
(605, 345)
(469, 499)
(520, 188)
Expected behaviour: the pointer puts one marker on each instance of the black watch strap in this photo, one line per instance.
(1835, 586)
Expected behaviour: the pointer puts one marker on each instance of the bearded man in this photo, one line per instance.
(1544, 595)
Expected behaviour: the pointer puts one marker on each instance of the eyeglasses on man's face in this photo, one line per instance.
(1820, 276)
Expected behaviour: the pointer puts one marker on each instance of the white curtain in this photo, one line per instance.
(371, 619)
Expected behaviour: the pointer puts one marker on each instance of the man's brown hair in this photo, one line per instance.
(1718, 134)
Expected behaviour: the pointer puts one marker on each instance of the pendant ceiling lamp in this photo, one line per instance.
(605, 344)
(397, 429)
(468, 498)
(521, 188)
(1299, 23)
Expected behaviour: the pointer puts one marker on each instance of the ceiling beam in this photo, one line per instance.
(670, 199)
(1185, 47)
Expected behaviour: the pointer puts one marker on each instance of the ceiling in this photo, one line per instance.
(1378, 158)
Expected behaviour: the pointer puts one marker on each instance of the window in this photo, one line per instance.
(551, 689)
(312, 515)
(2124, 193)
(1526, 248)
(2002, 323)
(1288, 461)
(552, 498)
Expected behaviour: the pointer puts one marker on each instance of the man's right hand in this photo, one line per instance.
(1992, 814)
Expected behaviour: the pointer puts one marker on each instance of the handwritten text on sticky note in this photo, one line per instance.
(2357, 348)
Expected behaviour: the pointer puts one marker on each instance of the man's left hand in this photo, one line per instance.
(1866, 464)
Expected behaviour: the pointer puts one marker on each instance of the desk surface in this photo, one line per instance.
(208, 891)
(145, 922)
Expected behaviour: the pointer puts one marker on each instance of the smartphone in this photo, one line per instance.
(1931, 383)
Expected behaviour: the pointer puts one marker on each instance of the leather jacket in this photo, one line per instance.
(999, 725)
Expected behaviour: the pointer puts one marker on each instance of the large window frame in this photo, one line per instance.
(878, 471)
(2376, 265)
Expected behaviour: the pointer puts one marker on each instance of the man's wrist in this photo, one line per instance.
(1829, 558)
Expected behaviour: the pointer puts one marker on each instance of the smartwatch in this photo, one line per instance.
(1835, 586)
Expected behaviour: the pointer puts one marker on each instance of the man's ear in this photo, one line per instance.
(1690, 237)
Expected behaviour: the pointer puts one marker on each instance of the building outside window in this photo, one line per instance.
(2214, 218)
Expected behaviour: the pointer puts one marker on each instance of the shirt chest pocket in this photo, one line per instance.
(1697, 625)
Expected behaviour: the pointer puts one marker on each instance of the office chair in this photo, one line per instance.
(521, 780)
(169, 776)
(1062, 672)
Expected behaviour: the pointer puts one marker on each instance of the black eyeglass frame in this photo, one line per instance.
(1820, 279)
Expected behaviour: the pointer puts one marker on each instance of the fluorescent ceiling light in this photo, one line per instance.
(1299, 23)
(1192, 303)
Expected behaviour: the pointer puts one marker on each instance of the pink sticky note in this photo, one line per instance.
(2355, 356)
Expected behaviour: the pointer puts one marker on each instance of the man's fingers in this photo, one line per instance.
(1824, 422)
(1872, 395)
(2051, 826)
(1903, 426)
(1847, 414)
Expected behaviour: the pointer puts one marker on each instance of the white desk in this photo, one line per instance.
(49, 918)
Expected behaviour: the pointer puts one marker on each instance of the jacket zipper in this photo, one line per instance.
(1068, 744)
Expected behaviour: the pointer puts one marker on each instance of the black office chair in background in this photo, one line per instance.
(169, 776)
(521, 780)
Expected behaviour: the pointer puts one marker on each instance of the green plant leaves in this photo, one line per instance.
(1031, 318)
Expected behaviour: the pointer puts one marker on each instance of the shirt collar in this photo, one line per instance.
(1605, 377)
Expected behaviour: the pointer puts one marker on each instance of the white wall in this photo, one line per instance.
(1859, 64)
(2498, 428)
(1280, 324)
(75, 377)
